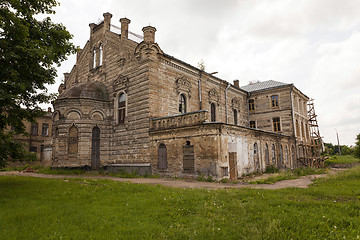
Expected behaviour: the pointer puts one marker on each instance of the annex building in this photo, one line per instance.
(127, 104)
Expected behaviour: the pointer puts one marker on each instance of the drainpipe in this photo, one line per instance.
(226, 102)
(293, 122)
(200, 73)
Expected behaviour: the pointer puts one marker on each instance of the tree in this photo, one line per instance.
(357, 146)
(29, 51)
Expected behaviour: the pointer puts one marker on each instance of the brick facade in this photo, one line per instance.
(150, 108)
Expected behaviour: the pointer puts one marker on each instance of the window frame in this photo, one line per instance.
(251, 105)
(276, 124)
(213, 112)
(182, 103)
(252, 124)
(275, 101)
(121, 108)
(34, 129)
(45, 130)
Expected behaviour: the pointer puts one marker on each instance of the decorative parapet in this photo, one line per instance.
(180, 120)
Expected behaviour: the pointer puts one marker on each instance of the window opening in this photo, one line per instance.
(213, 112)
(121, 110)
(235, 117)
(275, 101)
(45, 129)
(276, 124)
(251, 105)
(182, 103)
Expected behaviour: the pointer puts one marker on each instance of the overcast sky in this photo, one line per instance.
(313, 44)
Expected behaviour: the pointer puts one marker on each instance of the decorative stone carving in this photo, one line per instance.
(183, 85)
(146, 51)
(235, 103)
(214, 96)
(122, 62)
(120, 82)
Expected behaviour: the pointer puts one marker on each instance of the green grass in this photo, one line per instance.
(344, 159)
(288, 175)
(34, 208)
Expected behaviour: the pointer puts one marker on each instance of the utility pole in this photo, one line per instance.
(337, 135)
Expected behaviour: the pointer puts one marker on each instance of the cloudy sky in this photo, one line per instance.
(313, 44)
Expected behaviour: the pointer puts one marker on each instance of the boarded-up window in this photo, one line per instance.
(73, 140)
(188, 157)
(266, 154)
(122, 106)
(297, 129)
(162, 157)
(213, 112)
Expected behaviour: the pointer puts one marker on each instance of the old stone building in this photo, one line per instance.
(127, 104)
(38, 137)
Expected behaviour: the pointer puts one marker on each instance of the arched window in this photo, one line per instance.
(213, 112)
(73, 140)
(302, 130)
(94, 58)
(273, 154)
(162, 157)
(182, 103)
(281, 155)
(122, 106)
(255, 149)
(100, 54)
(286, 155)
(297, 129)
(235, 117)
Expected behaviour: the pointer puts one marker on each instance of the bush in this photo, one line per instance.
(271, 169)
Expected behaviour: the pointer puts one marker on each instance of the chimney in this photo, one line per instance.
(149, 34)
(107, 21)
(124, 28)
(236, 83)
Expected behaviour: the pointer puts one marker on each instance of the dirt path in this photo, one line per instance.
(302, 182)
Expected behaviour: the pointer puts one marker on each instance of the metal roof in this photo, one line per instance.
(252, 87)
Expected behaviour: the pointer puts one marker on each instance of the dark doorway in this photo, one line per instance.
(162, 157)
(95, 148)
(188, 157)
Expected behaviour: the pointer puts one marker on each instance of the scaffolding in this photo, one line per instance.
(315, 146)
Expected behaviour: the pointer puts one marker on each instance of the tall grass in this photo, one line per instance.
(33, 208)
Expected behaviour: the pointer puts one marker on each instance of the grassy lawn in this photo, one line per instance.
(289, 174)
(344, 159)
(34, 208)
